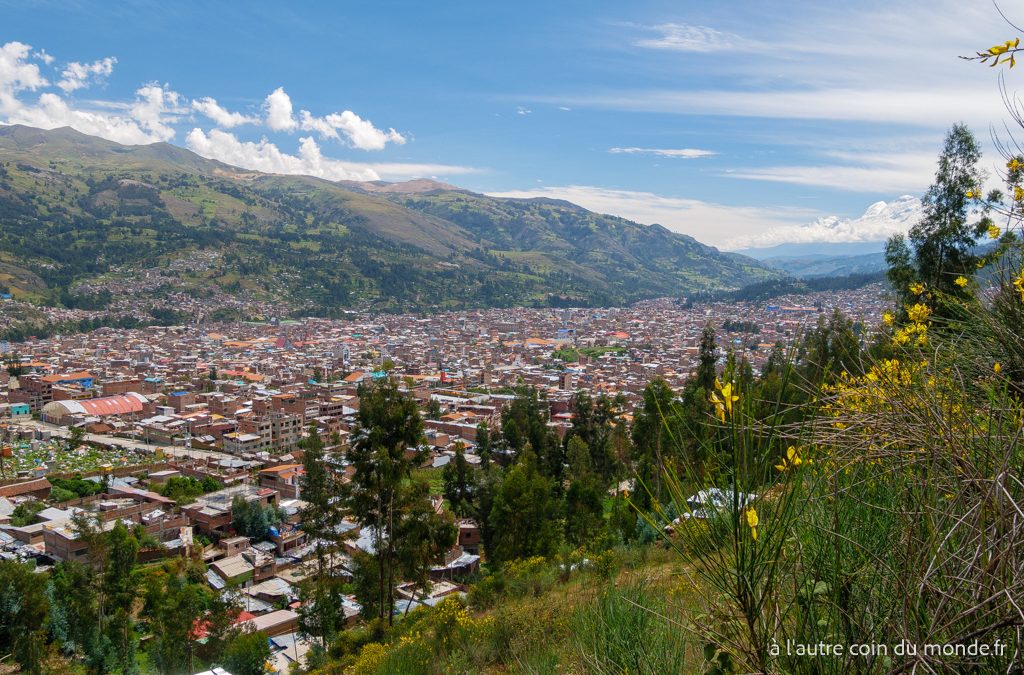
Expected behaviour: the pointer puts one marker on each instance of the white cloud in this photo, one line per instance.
(679, 153)
(912, 105)
(858, 172)
(51, 111)
(43, 56)
(354, 130)
(155, 108)
(278, 105)
(520, 110)
(78, 75)
(359, 133)
(265, 156)
(688, 38)
(17, 74)
(705, 221)
(879, 222)
(221, 117)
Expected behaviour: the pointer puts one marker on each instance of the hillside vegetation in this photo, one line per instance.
(79, 213)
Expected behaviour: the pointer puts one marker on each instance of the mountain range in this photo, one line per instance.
(79, 212)
(835, 246)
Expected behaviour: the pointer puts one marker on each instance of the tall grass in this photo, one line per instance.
(898, 520)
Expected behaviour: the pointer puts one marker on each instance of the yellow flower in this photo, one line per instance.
(1015, 164)
(723, 403)
(888, 318)
(752, 522)
(960, 281)
(997, 368)
(918, 313)
(1018, 283)
(917, 288)
(1018, 193)
(971, 194)
(993, 231)
(792, 458)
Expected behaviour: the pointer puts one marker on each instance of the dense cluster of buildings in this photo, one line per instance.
(230, 403)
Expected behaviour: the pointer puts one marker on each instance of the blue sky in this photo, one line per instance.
(723, 121)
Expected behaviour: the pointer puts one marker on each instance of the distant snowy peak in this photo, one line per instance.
(880, 221)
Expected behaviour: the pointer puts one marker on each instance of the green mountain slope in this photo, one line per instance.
(78, 213)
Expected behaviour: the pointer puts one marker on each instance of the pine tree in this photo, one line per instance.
(459, 484)
(385, 447)
(320, 517)
(941, 245)
(524, 513)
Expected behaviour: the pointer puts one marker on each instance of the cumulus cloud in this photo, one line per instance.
(278, 106)
(17, 74)
(265, 156)
(707, 222)
(156, 108)
(359, 133)
(879, 222)
(78, 75)
(221, 117)
(677, 153)
(344, 126)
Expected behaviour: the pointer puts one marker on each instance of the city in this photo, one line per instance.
(229, 404)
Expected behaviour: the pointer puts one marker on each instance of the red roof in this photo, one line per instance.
(114, 405)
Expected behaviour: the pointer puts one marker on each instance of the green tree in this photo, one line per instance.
(941, 245)
(583, 510)
(422, 535)
(75, 437)
(483, 445)
(252, 519)
(247, 654)
(524, 515)
(594, 423)
(322, 514)
(385, 447)
(177, 600)
(25, 512)
(658, 431)
(525, 421)
(459, 484)
(24, 609)
(707, 358)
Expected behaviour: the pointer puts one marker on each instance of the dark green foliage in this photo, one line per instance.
(79, 486)
(252, 519)
(523, 423)
(382, 495)
(524, 512)
(25, 512)
(659, 428)
(177, 601)
(24, 607)
(184, 489)
(247, 654)
(941, 247)
(460, 484)
(321, 610)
